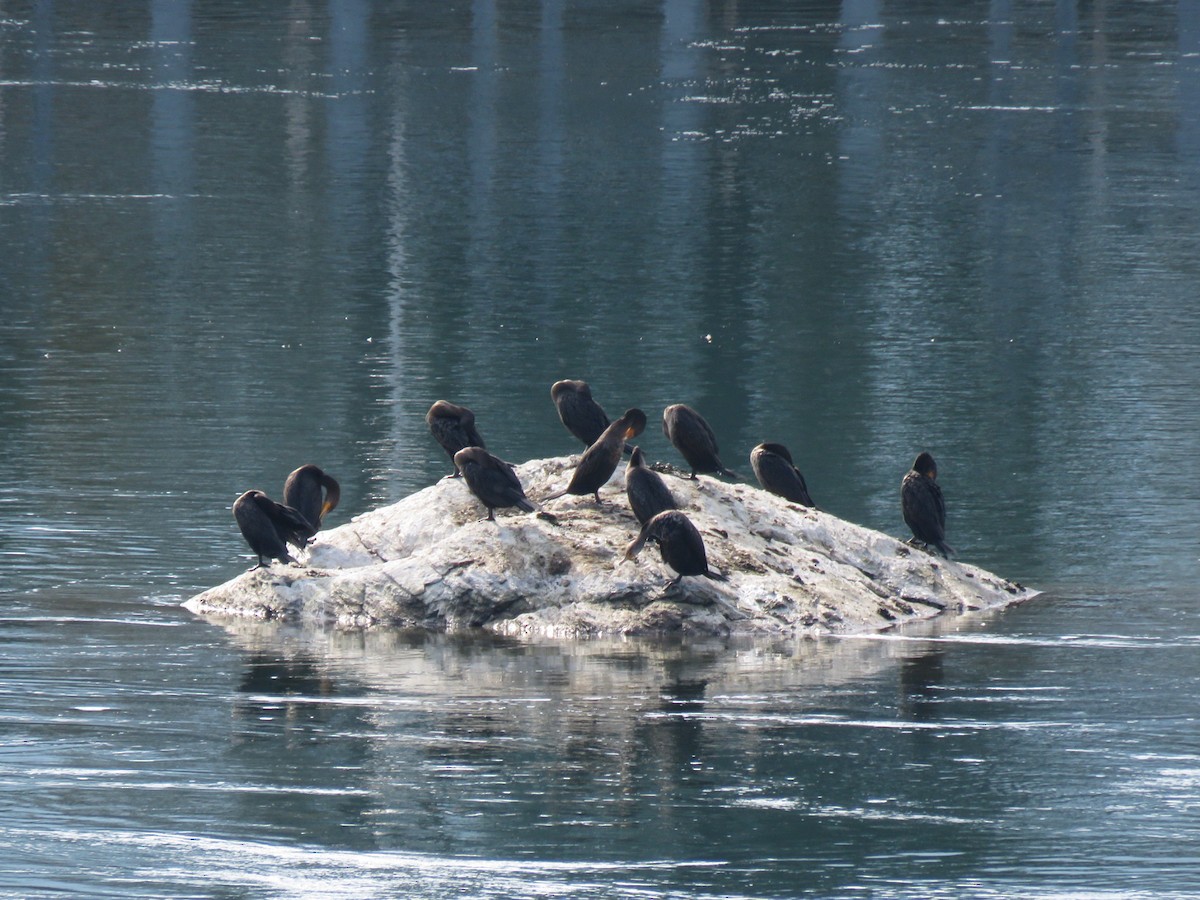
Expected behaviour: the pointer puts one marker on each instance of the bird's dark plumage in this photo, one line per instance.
(269, 527)
(601, 459)
(923, 506)
(312, 492)
(775, 471)
(679, 542)
(581, 415)
(453, 427)
(692, 436)
(491, 480)
(648, 494)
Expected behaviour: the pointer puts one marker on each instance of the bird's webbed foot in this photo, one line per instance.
(672, 587)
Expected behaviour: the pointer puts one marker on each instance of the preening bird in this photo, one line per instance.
(923, 506)
(693, 437)
(453, 427)
(492, 481)
(679, 542)
(269, 527)
(581, 415)
(775, 471)
(312, 492)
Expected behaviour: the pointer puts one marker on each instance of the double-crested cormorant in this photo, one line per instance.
(492, 480)
(692, 436)
(775, 471)
(600, 460)
(453, 427)
(582, 415)
(678, 541)
(648, 494)
(269, 527)
(923, 506)
(312, 493)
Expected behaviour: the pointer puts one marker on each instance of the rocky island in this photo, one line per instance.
(428, 561)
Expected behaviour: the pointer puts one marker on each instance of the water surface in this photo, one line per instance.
(239, 239)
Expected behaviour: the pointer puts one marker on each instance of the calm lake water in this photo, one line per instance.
(235, 238)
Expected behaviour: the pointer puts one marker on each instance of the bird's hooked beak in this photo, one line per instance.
(333, 493)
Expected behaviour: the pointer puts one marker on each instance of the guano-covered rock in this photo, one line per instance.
(429, 561)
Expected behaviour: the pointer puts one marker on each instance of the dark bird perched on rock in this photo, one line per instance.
(775, 471)
(600, 460)
(492, 481)
(269, 527)
(692, 436)
(311, 492)
(678, 541)
(648, 494)
(923, 506)
(581, 415)
(453, 427)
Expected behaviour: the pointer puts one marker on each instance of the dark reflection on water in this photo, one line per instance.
(936, 763)
(237, 239)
